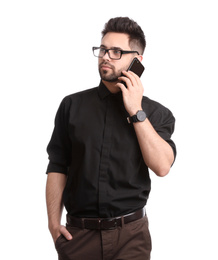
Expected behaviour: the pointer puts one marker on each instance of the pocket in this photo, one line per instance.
(139, 230)
(62, 244)
(61, 247)
(57, 240)
(147, 235)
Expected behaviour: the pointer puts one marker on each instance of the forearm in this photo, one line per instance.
(54, 191)
(156, 152)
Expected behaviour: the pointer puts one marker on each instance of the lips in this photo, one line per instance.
(105, 66)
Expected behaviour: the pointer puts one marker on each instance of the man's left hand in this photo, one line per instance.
(133, 93)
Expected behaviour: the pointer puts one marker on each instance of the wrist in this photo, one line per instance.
(140, 116)
(55, 232)
(133, 111)
(53, 226)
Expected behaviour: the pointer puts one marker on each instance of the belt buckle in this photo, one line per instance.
(108, 224)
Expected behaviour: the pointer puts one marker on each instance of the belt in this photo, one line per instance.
(104, 223)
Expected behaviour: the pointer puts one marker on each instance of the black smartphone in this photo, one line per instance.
(136, 67)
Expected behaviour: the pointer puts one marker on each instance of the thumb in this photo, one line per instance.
(65, 233)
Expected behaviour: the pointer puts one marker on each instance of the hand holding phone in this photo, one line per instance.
(132, 95)
(136, 67)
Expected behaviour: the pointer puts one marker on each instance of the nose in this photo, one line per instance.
(106, 56)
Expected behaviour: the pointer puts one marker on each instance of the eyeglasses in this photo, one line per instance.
(114, 54)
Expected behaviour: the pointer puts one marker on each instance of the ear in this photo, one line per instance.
(140, 57)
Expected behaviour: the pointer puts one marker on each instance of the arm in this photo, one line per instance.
(156, 152)
(54, 191)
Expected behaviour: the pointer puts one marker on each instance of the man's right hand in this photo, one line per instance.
(61, 230)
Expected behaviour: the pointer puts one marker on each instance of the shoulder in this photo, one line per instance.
(156, 112)
(75, 98)
(81, 94)
(152, 105)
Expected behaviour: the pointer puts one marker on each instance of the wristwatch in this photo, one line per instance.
(140, 116)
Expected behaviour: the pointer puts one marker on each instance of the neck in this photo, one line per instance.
(111, 86)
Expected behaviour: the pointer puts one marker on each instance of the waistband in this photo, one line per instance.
(104, 223)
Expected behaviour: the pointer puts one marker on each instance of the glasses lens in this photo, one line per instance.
(115, 54)
(98, 52)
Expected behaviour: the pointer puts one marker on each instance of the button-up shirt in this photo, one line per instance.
(95, 146)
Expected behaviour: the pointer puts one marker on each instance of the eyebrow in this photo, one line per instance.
(113, 48)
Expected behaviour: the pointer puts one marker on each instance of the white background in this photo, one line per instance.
(45, 54)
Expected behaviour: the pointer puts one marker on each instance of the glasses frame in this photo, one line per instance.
(107, 51)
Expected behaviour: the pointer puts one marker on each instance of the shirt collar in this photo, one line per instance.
(104, 92)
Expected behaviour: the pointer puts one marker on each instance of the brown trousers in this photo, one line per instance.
(132, 241)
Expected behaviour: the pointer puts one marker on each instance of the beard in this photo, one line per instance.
(109, 75)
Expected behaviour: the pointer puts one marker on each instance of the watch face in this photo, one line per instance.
(141, 116)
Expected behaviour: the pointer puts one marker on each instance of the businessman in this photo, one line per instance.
(104, 142)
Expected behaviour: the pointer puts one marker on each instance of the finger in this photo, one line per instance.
(136, 81)
(134, 77)
(131, 76)
(65, 233)
(122, 87)
(126, 80)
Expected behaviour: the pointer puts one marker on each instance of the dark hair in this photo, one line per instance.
(130, 27)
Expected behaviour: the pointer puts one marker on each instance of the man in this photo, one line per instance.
(99, 160)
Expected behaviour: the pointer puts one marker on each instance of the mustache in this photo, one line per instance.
(106, 64)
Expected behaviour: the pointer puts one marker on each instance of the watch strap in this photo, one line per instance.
(132, 119)
(140, 116)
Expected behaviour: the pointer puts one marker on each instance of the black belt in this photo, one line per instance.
(104, 223)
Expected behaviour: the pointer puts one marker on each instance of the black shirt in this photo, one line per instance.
(97, 148)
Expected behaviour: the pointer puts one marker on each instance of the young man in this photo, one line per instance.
(99, 160)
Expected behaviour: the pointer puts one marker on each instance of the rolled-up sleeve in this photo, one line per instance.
(59, 147)
(163, 122)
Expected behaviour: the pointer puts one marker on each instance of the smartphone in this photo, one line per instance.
(136, 67)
